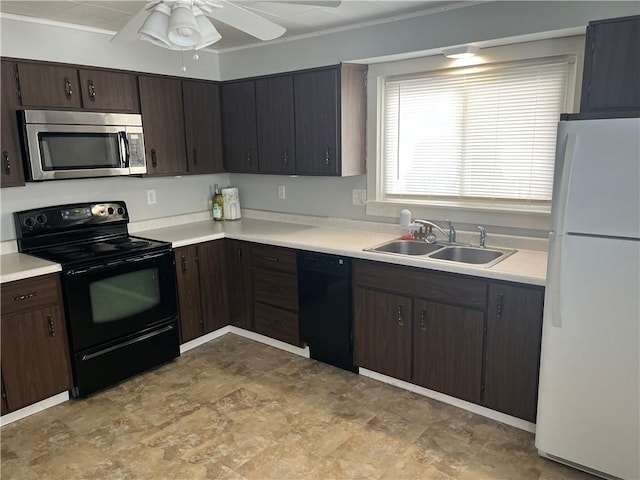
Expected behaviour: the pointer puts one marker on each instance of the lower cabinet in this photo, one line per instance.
(514, 332)
(240, 284)
(35, 354)
(202, 292)
(473, 339)
(275, 293)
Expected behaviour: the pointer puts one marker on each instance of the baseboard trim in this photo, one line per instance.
(35, 408)
(196, 342)
(456, 402)
(303, 352)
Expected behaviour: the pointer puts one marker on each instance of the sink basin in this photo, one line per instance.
(473, 255)
(406, 247)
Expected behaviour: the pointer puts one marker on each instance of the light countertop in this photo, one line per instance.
(525, 266)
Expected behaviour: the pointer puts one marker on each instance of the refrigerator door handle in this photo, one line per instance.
(559, 215)
(554, 275)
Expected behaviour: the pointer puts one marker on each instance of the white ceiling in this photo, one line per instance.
(298, 19)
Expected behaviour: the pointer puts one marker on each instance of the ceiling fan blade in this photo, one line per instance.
(248, 22)
(312, 3)
(129, 32)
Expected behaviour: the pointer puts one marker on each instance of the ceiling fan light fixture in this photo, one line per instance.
(466, 51)
(208, 33)
(154, 29)
(183, 28)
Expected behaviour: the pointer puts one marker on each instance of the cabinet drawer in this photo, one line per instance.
(277, 258)
(30, 293)
(275, 288)
(441, 287)
(277, 323)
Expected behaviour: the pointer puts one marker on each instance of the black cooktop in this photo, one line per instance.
(81, 234)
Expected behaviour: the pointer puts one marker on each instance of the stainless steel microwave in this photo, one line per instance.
(64, 144)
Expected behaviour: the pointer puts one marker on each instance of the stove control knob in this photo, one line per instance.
(110, 210)
(120, 211)
(29, 222)
(41, 218)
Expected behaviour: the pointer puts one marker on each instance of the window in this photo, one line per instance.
(473, 135)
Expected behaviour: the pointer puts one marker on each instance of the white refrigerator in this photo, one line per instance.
(589, 393)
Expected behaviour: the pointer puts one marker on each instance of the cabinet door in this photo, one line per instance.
(317, 122)
(203, 126)
(11, 171)
(448, 349)
(188, 280)
(239, 127)
(239, 276)
(110, 91)
(514, 328)
(274, 108)
(163, 124)
(213, 285)
(35, 357)
(49, 86)
(382, 332)
(612, 66)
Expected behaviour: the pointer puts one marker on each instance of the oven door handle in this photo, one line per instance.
(115, 263)
(127, 343)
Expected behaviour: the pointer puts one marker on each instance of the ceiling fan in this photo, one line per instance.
(185, 25)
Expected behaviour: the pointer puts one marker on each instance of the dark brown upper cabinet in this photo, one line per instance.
(60, 86)
(275, 124)
(11, 169)
(109, 91)
(203, 126)
(611, 78)
(330, 120)
(163, 124)
(306, 123)
(239, 126)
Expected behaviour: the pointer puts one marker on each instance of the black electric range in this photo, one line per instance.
(119, 290)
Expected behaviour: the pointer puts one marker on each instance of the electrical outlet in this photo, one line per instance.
(282, 194)
(359, 196)
(151, 197)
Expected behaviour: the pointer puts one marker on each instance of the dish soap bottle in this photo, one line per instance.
(217, 204)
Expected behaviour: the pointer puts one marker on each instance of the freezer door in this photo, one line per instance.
(597, 184)
(589, 394)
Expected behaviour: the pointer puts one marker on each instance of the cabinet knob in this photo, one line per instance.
(6, 163)
(154, 158)
(52, 326)
(327, 157)
(400, 314)
(68, 88)
(92, 91)
(423, 319)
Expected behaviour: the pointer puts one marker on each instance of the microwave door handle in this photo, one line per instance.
(124, 150)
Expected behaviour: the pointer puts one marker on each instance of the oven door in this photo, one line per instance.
(107, 302)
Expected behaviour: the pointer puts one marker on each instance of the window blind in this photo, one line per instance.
(485, 134)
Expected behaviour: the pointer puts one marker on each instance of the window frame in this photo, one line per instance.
(530, 216)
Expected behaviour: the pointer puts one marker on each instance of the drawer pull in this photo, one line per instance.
(500, 305)
(276, 289)
(275, 322)
(26, 296)
(185, 265)
(52, 326)
(92, 90)
(68, 88)
(272, 259)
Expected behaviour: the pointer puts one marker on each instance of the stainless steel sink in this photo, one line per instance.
(407, 247)
(482, 257)
(485, 257)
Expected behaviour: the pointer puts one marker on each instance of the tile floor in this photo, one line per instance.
(237, 409)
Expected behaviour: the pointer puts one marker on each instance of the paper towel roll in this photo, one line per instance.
(231, 203)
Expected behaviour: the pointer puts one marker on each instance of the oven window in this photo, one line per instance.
(64, 151)
(125, 295)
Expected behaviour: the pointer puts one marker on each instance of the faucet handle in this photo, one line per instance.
(452, 231)
(483, 236)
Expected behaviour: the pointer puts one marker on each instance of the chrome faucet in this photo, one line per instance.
(430, 238)
(483, 236)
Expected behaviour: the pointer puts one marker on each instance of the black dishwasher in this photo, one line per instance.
(324, 288)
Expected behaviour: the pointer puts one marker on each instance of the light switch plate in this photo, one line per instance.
(282, 193)
(359, 196)
(151, 197)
